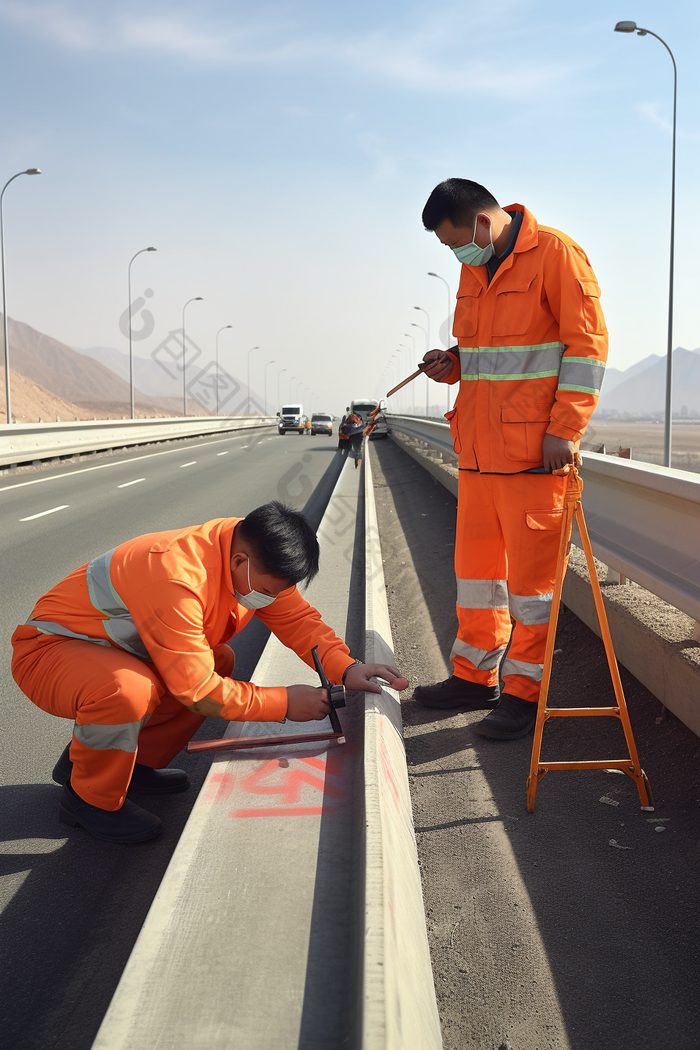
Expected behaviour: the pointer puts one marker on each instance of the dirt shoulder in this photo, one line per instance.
(576, 926)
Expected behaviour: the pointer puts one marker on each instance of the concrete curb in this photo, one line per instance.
(668, 667)
(400, 1008)
(223, 958)
(26, 443)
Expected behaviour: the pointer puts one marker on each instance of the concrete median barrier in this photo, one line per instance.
(26, 443)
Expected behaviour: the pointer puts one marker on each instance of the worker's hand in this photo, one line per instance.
(357, 679)
(556, 453)
(439, 364)
(306, 703)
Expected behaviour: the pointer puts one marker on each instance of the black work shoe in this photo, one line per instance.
(128, 824)
(457, 692)
(512, 718)
(144, 780)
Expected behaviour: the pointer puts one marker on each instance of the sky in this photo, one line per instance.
(279, 155)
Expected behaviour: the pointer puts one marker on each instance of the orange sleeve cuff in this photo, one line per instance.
(560, 431)
(247, 702)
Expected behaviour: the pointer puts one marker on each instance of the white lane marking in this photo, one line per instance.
(127, 483)
(222, 453)
(64, 506)
(119, 463)
(190, 464)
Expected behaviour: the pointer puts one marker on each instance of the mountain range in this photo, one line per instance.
(59, 380)
(639, 391)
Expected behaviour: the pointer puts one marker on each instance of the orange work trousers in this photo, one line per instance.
(120, 705)
(508, 528)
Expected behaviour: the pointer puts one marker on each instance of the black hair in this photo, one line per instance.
(458, 200)
(283, 542)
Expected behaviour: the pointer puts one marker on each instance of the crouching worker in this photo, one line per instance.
(132, 647)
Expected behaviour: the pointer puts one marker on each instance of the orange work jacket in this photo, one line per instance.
(168, 598)
(532, 351)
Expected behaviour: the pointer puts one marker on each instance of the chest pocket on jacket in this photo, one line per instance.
(515, 306)
(467, 312)
(591, 310)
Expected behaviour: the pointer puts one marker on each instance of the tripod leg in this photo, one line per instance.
(562, 560)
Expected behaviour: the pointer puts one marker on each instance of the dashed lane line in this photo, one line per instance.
(43, 513)
(190, 464)
(127, 483)
(103, 466)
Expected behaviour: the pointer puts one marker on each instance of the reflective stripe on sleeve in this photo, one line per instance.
(532, 361)
(531, 609)
(482, 594)
(102, 594)
(523, 668)
(123, 737)
(581, 373)
(481, 658)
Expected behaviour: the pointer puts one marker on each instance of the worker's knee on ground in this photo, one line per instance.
(224, 660)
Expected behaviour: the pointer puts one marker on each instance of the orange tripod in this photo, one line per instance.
(629, 765)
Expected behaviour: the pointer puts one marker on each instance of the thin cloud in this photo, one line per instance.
(413, 58)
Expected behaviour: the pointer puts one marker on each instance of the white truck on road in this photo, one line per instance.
(291, 417)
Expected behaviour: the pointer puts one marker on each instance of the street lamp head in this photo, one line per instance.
(151, 249)
(198, 299)
(33, 171)
(625, 27)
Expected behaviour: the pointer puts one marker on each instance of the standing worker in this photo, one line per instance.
(532, 346)
(132, 647)
(353, 428)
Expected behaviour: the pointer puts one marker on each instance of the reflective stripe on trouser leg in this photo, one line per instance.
(482, 593)
(171, 725)
(529, 508)
(107, 692)
(522, 668)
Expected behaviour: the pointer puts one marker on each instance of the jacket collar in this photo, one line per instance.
(528, 236)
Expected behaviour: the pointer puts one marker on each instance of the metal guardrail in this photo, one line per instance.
(28, 442)
(644, 520)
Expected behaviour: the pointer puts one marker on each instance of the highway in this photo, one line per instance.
(72, 907)
(567, 929)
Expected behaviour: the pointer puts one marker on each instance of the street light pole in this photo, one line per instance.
(8, 404)
(248, 359)
(131, 352)
(409, 335)
(278, 385)
(427, 347)
(447, 340)
(195, 299)
(265, 385)
(632, 27)
(217, 363)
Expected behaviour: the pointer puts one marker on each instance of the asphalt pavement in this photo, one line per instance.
(72, 907)
(574, 927)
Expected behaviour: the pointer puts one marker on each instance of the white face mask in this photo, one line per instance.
(471, 254)
(253, 599)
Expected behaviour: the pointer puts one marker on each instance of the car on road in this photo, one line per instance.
(321, 423)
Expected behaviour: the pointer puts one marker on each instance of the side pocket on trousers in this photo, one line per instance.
(544, 520)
